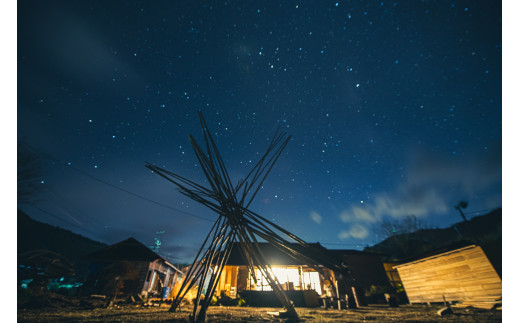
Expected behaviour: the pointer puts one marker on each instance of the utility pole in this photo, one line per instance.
(462, 205)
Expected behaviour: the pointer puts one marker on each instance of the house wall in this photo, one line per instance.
(235, 281)
(102, 274)
(142, 268)
(228, 282)
(367, 269)
(460, 275)
(236, 278)
(163, 272)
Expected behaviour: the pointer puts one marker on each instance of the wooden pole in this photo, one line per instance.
(237, 222)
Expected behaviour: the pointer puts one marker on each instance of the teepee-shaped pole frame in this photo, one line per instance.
(236, 223)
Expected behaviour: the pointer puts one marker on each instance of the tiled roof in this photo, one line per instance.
(273, 255)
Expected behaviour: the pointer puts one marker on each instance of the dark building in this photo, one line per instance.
(133, 268)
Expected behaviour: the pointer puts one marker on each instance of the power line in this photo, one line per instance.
(138, 196)
(115, 186)
(63, 220)
(484, 210)
(61, 199)
(346, 244)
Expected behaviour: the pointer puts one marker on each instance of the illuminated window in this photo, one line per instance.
(291, 278)
(311, 280)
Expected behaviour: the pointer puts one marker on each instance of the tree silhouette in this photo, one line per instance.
(408, 224)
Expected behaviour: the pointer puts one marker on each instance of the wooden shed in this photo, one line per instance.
(139, 269)
(460, 275)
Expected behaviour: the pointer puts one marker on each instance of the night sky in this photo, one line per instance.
(394, 108)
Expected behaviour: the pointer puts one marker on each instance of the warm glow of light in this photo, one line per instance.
(297, 279)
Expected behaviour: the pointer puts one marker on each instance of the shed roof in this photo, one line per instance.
(451, 247)
(439, 253)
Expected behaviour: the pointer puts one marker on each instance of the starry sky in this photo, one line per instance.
(394, 108)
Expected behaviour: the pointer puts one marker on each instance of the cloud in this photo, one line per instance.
(418, 202)
(357, 214)
(356, 231)
(432, 184)
(315, 216)
(469, 175)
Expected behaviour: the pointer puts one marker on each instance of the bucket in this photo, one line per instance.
(166, 292)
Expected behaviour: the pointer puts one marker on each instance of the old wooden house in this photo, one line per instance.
(462, 274)
(302, 284)
(131, 266)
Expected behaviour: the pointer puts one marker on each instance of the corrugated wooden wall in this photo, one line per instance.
(460, 275)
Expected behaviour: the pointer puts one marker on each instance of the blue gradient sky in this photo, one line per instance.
(395, 109)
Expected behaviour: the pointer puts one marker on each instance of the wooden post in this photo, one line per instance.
(337, 293)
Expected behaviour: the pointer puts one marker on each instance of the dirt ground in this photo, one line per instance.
(372, 313)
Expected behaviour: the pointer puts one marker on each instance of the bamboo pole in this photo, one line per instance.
(237, 223)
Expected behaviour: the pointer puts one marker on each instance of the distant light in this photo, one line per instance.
(25, 283)
(43, 182)
(362, 201)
